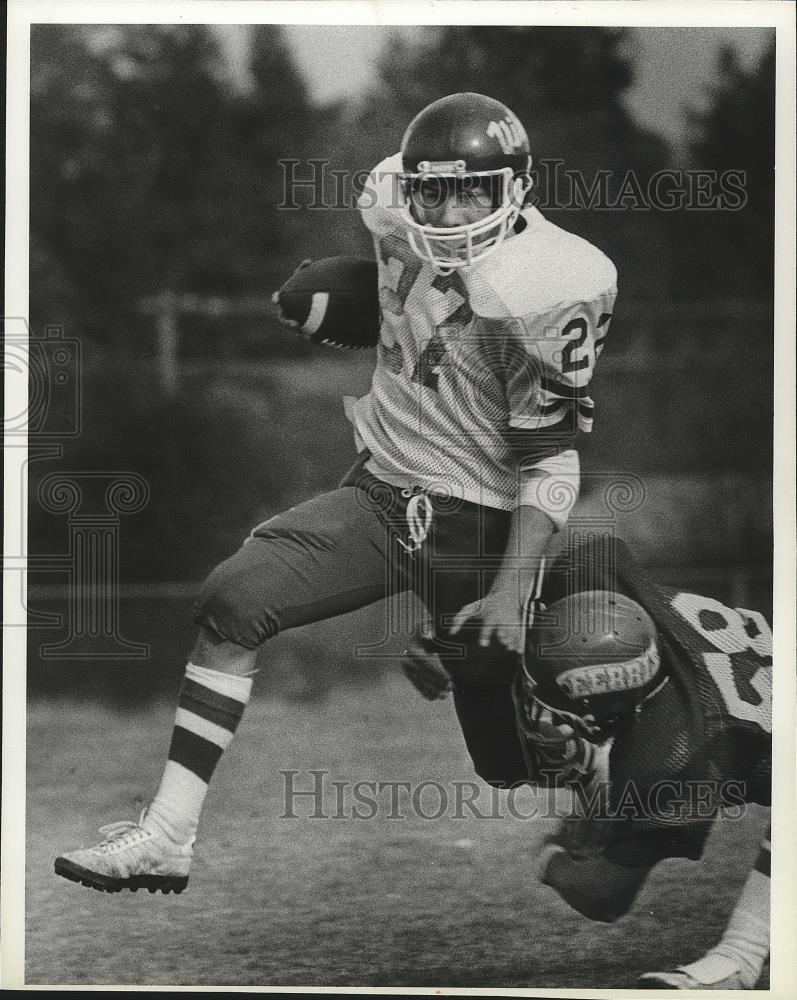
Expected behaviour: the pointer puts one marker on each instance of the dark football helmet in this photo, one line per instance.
(471, 142)
(592, 659)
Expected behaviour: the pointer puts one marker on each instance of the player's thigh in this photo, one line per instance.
(486, 715)
(641, 843)
(596, 887)
(482, 677)
(459, 566)
(322, 558)
(606, 862)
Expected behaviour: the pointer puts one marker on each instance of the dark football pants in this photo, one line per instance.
(341, 551)
(604, 887)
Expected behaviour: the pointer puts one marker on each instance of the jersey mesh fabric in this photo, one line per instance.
(708, 731)
(469, 359)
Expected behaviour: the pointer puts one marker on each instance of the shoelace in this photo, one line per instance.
(115, 831)
(417, 524)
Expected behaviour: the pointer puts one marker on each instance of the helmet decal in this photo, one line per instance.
(509, 132)
(597, 678)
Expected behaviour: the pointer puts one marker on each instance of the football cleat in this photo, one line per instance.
(133, 857)
(680, 980)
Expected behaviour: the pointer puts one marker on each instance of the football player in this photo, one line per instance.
(654, 705)
(492, 321)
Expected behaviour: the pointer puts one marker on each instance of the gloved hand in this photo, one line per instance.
(554, 741)
(559, 749)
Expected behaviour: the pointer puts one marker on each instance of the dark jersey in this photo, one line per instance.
(704, 740)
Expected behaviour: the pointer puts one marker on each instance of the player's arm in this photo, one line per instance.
(557, 755)
(505, 610)
(550, 360)
(548, 363)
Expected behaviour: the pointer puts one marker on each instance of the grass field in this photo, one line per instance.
(346, 902)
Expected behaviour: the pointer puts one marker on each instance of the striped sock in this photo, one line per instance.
(209, 709)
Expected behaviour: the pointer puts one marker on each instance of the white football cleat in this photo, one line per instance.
(712, 972)
(133, 857)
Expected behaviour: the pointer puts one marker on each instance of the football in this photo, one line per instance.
(333, 301)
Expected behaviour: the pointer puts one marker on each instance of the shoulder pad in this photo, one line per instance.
(378, 201)
(538, 269)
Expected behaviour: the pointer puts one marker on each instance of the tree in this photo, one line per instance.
(70, 121)
(733, 250)
(274, 124)
(567, 86)
(149, 170)
(565, 69)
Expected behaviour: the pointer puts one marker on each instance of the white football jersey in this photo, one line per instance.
(466, 359)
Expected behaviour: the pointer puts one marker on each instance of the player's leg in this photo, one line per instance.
(736, 962)
(596, 888)
(457, 566)
(487, 719)
(599, 865)
(321, 559)
(575, 861)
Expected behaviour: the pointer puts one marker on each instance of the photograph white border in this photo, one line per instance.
(636, 13)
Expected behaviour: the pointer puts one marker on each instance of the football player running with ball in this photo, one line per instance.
(492, 319)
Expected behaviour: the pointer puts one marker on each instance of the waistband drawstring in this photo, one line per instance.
(419, 519)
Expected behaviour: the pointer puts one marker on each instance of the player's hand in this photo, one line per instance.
(424, 667)
(275, 298)
(554, 741)
(503, 619)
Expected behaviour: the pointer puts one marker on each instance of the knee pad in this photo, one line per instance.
(233, 611)
(596, 888)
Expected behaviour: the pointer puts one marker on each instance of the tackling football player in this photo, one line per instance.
(655, 706)
(492, 319)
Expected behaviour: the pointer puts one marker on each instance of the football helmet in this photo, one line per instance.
(592, 659)
(464, 142)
